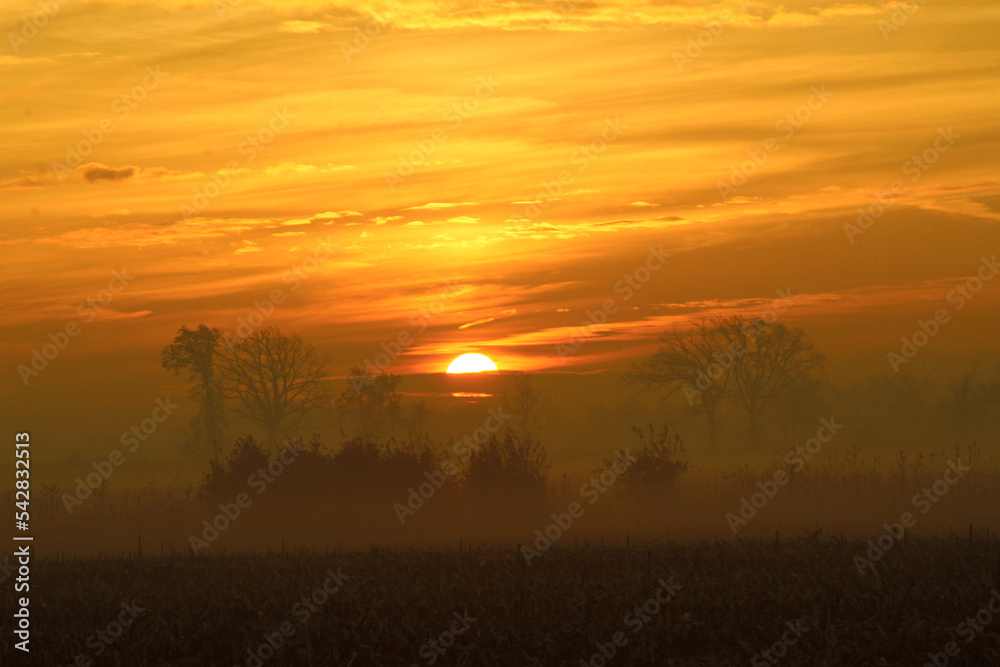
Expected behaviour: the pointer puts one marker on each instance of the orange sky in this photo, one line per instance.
(223, 152)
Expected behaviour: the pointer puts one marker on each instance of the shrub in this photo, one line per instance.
(658, 467)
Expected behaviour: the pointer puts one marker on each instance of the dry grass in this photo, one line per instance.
(735, 601)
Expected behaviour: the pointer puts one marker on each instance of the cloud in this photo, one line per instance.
(458, 220)
(519, 138)
(111, 314)
(538, 230)
(90, 55)
(248, 246)
(329, 217)
(299, 168)
(737, 200)
(144, 235)
(851, 10)
(437, 205)
(301, 27)
(95, 171)
(23, 182)
(15, 60)
(555, 15)
(472, 324)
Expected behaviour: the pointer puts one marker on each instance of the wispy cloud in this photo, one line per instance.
(437, 206)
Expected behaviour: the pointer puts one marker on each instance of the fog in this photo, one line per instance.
(537, 461)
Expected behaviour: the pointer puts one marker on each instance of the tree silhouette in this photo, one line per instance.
(772, 362)
(525, 402)
(196, 352)
(696, 362)
(971, 402)
(371, 401)
(276, 379)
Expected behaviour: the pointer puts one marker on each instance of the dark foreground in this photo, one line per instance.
(803, 602)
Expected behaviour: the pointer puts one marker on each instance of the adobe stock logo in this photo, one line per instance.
(705, 38)
(629, 284)
(915, 168)
(103, 469)
(582, 157)
(59, 340)
(796, 459)
(453, 118)
(30, 25)
(93, 137)
(958, 297)
(366, 34)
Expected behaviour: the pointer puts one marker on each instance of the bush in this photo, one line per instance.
(658, 467)
(222, 481)
(506, 480)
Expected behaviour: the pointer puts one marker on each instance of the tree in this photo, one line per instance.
(276, 379)
(973, 400)
(196, 352)
(771, 362)
(371, 401)
(525, 403)
(694, 361)
(961, 406)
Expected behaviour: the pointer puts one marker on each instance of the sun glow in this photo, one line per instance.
(471, 363)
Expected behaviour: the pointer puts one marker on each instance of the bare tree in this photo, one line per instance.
(525, 402)
(771, 363)
(371, 401)
(695, 361)
(961, 405)
(196, 352)
(276, 379)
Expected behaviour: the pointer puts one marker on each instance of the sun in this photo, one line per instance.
(471, 363)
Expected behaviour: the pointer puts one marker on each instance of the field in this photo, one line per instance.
(801, 601)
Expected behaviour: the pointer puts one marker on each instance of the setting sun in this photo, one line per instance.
(471, 363)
